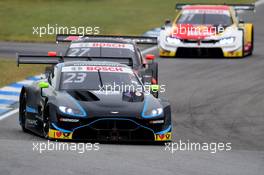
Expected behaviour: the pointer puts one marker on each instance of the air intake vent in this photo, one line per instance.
(83, 96)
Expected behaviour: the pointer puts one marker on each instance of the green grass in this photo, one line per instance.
(12, 73)
(17, 17)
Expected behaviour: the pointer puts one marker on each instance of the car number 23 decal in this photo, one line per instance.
(75, 77)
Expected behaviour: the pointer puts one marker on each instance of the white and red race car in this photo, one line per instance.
(207, 30)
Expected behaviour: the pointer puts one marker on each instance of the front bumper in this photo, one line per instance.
(201, 48)
(112, 129)
(201, 52)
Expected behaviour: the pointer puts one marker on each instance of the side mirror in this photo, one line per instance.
(43, 85)
(52, 54)
(154, 87)
(167, 22)
(241, 21)
(146, 79)
(150, 57)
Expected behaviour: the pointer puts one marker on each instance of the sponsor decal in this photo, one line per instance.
(32, 122)
(156, 121)
(69, 120)
(55, 134)
(103, 45)
(106, 92)
(163, 137)
(96, 69)
(73, 38)
(233, 54)
(206, 11)
(104, 69)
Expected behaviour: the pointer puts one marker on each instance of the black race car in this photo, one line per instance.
(92, 101)
(117, 47)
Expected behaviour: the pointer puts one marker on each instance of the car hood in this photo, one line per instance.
(114, 104)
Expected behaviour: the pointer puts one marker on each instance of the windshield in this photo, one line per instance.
(96, 49)
(205, 18)
(98, 78)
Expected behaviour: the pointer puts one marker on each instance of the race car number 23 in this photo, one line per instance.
(75, 77)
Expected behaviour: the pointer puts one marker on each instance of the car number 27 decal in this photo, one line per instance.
(78, 52)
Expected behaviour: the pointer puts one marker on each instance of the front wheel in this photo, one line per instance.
(22, 111)
(46, 124)
(252, 41)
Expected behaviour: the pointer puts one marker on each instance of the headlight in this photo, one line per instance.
(153, 113)
(228, 40)
(157, 111)
(171, 40)
(70, 111)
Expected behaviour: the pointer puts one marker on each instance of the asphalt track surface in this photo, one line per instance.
(213, 100)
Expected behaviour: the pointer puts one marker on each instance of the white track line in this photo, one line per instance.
(9, 114)
(26, 82)
(12, 89)
(4, 106)
(9, 97)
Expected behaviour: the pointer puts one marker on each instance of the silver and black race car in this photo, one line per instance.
(92, 101)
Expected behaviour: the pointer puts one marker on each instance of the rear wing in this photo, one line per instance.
(37, 59)
(135, 39)
(237, 7)
(53, 60)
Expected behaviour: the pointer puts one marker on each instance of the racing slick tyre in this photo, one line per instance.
(46, 123)
(22, 111)
(252, 42)
(243, 46)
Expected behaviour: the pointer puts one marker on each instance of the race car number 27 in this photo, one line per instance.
(79, 52)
